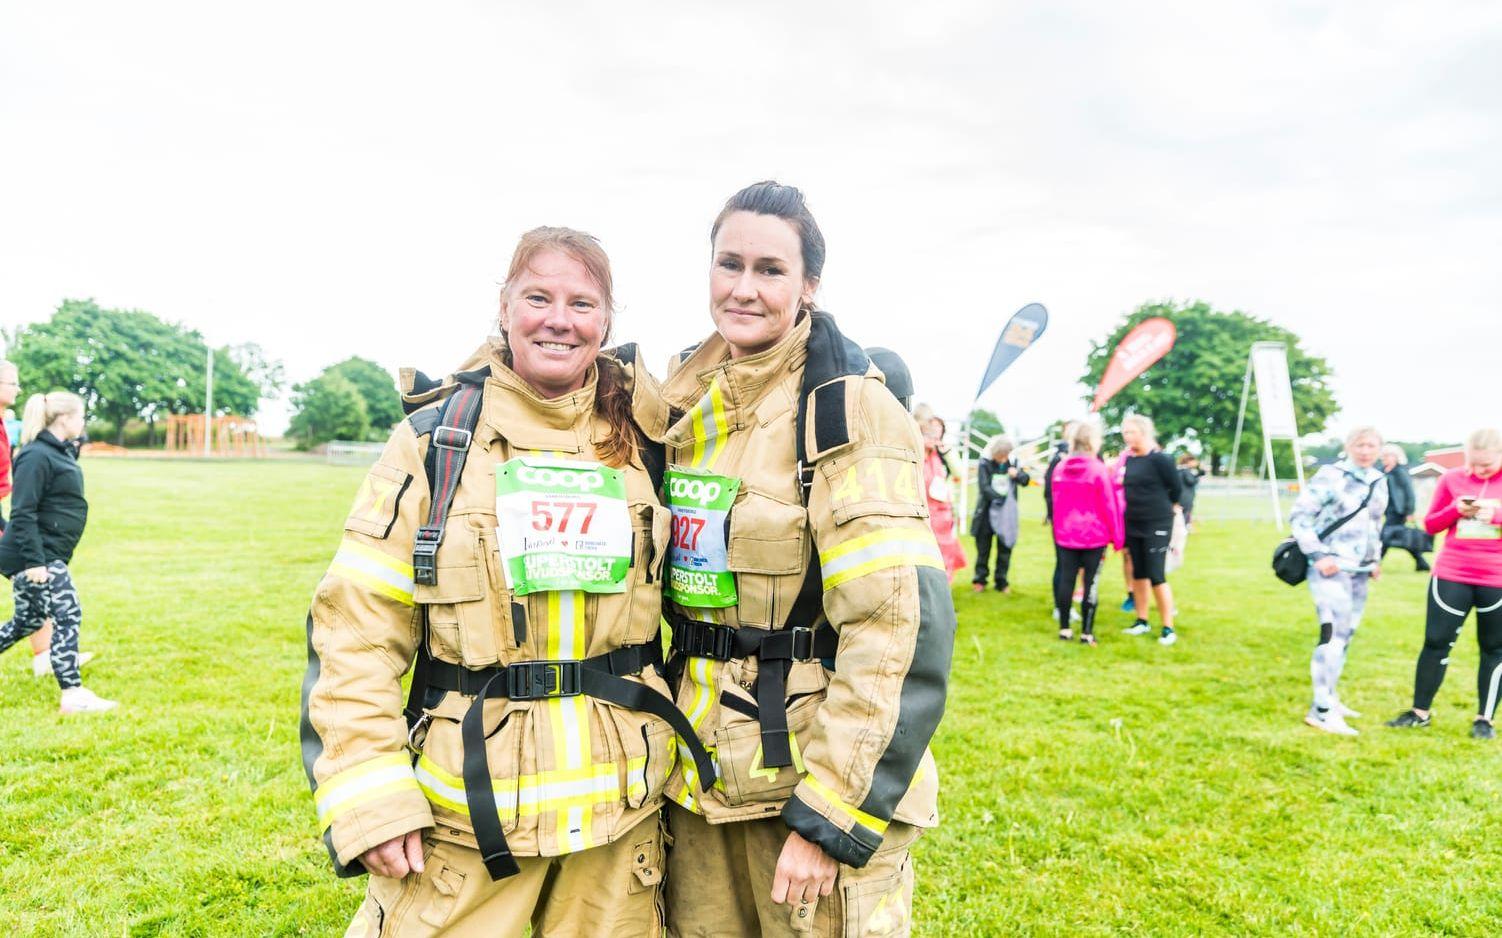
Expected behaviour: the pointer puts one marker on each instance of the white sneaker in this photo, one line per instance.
(1331, 722)
(1141, 628)
(1168, 637)
(1345, 711)
(83, 700)
(41, 665)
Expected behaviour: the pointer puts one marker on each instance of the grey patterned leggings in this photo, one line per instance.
(35, 604)
(1339, 601)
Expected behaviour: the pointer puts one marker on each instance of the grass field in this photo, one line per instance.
(1126, 789)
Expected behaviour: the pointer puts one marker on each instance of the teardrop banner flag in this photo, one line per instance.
(1022, 330)
(1149, 341)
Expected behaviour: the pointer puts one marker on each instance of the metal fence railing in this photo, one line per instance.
(346, 453)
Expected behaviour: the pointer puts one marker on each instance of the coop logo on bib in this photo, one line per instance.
(699, 491)
(563, 525)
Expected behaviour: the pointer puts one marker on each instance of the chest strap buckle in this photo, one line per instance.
(425, 555)
(535, 680)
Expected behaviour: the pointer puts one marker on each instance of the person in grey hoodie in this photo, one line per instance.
(995, 516)
(1342, 564)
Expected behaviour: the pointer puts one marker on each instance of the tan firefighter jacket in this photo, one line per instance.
(861, 729)
(569, 773)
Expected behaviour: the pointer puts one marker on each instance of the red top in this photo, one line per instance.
(4, 461)
(1472, 551)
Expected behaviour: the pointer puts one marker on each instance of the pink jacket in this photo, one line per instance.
(1086, 511)
(1475, 560)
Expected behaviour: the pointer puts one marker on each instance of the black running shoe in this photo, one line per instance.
(1481, 729)
(1408, 720)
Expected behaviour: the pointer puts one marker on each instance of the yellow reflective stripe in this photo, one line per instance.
(860, 817)
(701, 675)
(374, 570)
(564, 791)
(568, 718)
(366, 782)
(721, 425)
(878, 550)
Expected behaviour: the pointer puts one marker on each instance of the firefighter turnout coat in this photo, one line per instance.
(848, 550)
(568, 772)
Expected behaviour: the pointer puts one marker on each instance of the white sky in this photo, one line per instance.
(329, 179)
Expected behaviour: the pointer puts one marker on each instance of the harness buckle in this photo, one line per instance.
(703, 640)
(425, 555)
(456, 438)
(803, 643)
(536, 680)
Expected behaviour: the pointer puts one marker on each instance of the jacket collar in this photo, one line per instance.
(48, 437)
(743, 381)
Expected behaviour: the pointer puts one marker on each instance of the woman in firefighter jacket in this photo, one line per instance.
(810, 608)
(529, 784)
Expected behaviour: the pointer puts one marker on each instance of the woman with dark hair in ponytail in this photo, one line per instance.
(541, 727)
(809, 603)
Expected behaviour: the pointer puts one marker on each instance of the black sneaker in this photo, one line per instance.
(1481, 729)
(1408, 720)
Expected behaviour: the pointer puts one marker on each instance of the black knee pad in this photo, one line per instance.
(1326, 629)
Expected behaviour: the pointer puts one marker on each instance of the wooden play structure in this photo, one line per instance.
(231, 436)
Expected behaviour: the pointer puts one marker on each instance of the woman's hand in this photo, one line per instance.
(804, 872)
(1327, 566)
(1467, 507)
(396, 857)
(38, 574)
(1486, 514)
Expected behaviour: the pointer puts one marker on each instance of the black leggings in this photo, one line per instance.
(1070, 562)
(1448, 604)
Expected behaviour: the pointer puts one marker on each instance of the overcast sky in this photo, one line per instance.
(329, 179)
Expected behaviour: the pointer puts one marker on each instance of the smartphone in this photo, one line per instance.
(1467, 500)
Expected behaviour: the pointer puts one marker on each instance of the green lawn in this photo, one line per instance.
(1123, 789)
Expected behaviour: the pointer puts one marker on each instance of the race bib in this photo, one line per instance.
(563, 525)
(698, 574)
(938, 489)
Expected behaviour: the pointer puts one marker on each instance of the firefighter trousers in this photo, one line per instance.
(719, 884)
(610, 890)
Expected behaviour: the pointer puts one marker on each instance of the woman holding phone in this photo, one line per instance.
(1467, 507)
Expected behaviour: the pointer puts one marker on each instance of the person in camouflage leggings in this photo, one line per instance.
(57, 600)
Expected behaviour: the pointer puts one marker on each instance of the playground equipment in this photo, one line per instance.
(230, 435)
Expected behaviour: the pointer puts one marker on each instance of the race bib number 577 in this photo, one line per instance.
(563, 525)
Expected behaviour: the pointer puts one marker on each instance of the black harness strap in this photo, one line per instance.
(447, 452)
(775, 651)
(601, 677)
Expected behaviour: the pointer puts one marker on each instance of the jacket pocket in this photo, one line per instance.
(440, 772)
(469, 608)
(769, 541)
(747, 780)
(646, 753)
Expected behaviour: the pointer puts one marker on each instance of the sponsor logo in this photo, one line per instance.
(583, 481)
(702, 491)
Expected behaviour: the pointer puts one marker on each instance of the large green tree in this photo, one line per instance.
(128, 363)
(1195, 390)
(328, 408)
(377, 387)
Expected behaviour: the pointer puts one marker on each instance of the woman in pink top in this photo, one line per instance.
(937, 488)
(1467, 506)
(1086, 518)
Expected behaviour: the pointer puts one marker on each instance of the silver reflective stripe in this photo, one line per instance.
(366, 565)
(878, 550)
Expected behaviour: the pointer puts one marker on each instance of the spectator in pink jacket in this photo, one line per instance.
(1086, 518)
(1467, 507)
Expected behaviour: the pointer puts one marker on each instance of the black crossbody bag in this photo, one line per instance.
(1291, 565)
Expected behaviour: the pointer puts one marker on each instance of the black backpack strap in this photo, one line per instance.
(1340, 523)
(831, 356)
(447, 452)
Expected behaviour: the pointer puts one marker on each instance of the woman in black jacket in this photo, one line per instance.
(48, 513)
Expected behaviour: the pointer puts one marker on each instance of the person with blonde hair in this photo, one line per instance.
(1467, 507)
(1337, 521)
(999, 478)
(1087, 519)
(48, 514)
(1151, 488)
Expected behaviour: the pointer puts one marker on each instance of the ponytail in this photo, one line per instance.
(42, 409)
(613, 403)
